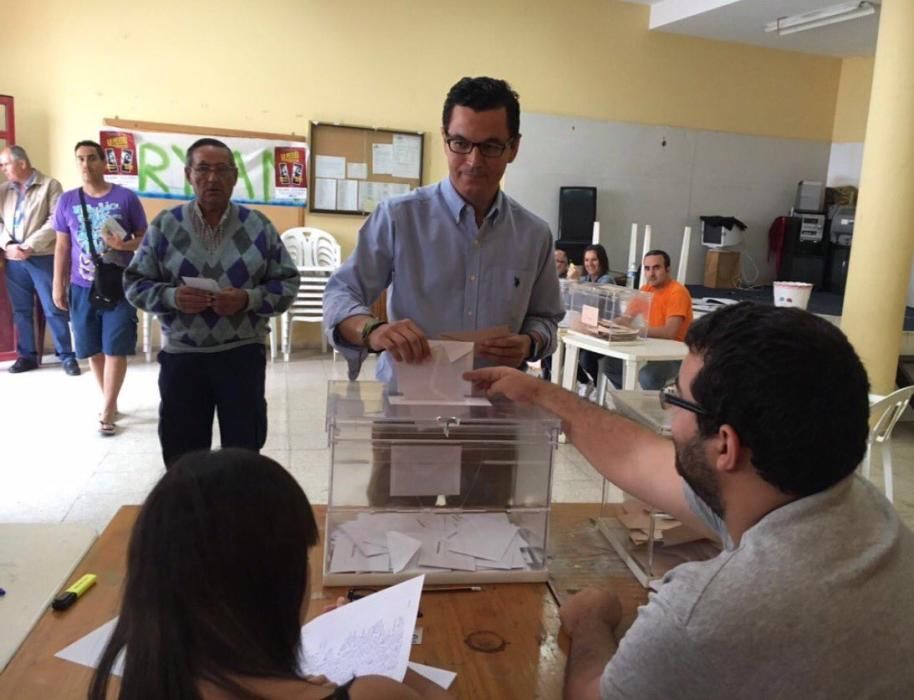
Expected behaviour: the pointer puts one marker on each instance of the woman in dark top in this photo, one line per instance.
(217, 590)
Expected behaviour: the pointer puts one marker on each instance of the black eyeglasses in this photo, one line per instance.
(669, 396)
(488, 149)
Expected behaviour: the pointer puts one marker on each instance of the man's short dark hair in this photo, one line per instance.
(790, 385)
(91, 144)
(483, 94)
(202, 143)
(666, 256)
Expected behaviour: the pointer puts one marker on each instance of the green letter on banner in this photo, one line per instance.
(148, 171)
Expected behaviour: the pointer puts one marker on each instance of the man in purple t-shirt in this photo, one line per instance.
(118, 223)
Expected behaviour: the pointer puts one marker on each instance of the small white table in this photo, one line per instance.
(632, 354)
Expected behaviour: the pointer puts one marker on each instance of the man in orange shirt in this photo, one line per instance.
(670, 317)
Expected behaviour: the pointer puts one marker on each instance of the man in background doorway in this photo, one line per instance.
(27, 238)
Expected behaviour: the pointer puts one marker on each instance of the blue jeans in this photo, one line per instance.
(651, 377)
(25, 278)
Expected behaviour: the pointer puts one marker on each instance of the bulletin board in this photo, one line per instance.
(354, 168)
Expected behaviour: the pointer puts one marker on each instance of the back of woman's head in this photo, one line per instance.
(216, 573)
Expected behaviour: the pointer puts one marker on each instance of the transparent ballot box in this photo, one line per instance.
(650, 542)
(460, 493)
(607, 311)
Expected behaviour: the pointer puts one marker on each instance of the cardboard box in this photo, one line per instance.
(722, 269)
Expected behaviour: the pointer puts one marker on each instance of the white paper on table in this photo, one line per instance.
(347, 195)
(382, 157)
(425, 470)
(483, 537)
(439, 676)
(375, 631)
(357, 171)
(406, 150)
(438, 377)
(87, 651)
(372, 635)
(402, 548)
(330, 166)
(204, 283)
(324, 193)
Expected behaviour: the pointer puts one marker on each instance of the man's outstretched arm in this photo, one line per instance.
(632, 457)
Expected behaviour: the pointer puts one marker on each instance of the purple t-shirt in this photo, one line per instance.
(121, 204)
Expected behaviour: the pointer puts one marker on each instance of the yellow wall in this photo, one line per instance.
(853, 99)
(274, 65)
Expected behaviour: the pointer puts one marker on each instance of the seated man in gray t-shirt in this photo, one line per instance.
(812, 595)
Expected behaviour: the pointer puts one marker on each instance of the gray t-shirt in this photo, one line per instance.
(817, 601)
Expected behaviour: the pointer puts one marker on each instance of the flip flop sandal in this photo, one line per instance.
(106, 429)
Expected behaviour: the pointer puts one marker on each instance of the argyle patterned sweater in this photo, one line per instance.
(251, 257)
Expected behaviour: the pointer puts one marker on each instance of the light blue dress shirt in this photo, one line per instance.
(445, 273)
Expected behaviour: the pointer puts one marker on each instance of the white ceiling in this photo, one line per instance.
(743, 21)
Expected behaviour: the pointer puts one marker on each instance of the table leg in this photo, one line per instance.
(630, 375)
(557, 361)
(570, 367)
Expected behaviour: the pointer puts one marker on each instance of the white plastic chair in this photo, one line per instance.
(884, 414)
(317, 254)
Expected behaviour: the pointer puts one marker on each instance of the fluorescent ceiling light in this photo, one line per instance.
(821, 18)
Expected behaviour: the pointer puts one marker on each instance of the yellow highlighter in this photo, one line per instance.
(68, 597)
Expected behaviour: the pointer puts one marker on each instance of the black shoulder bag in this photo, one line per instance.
(108, 287)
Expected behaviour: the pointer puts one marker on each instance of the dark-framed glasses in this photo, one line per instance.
(488, 149)
(204, 170)
(669, 396)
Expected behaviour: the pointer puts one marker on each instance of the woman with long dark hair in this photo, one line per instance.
(596, 265)
(217, 590)
(596, 269)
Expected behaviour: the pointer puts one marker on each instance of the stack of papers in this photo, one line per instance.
(395, 542)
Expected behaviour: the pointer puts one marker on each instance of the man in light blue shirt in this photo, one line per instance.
(459, 255)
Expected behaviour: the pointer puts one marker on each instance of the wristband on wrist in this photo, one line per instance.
(369, 328)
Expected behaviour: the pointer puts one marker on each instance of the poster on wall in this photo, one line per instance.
(120, 158)
(152, 164)
(291, 176)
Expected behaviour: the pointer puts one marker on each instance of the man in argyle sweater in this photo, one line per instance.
(213, 357)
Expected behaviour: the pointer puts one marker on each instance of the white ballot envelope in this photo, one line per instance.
(204, 283)
(113, 226)
(439, 378)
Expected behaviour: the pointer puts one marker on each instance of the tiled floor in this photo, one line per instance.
(56, 467)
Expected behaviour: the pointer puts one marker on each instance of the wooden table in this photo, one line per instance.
(524, 616)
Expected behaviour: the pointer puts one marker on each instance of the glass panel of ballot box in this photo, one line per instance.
(607, 311)
(458, 492)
